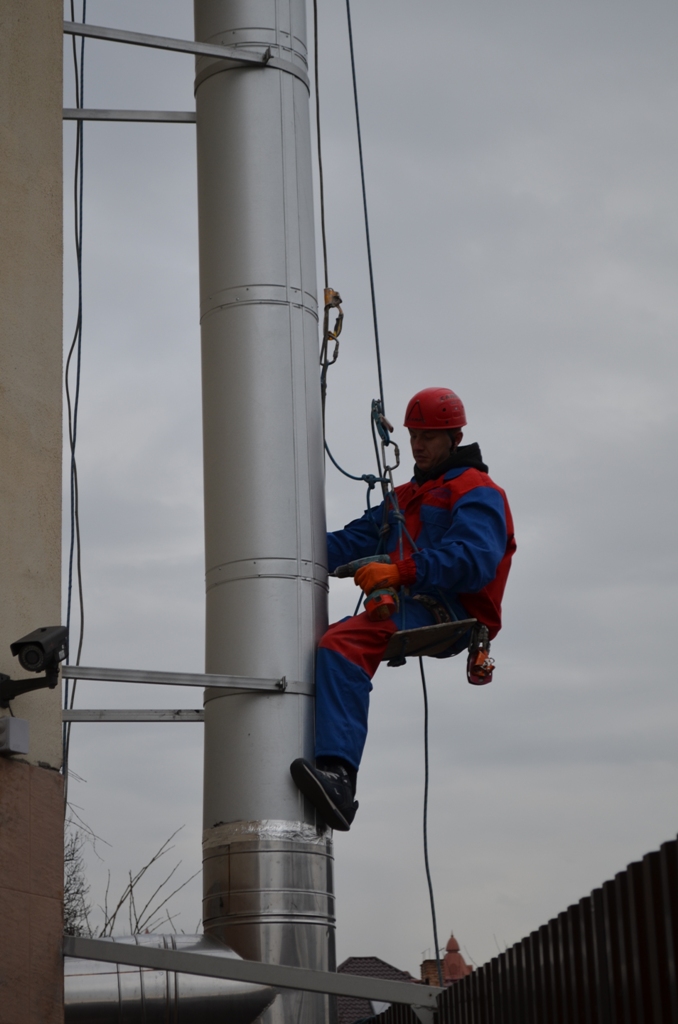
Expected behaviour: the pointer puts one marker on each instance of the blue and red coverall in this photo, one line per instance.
(463, 531)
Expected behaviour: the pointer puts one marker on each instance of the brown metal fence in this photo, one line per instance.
(609, 959)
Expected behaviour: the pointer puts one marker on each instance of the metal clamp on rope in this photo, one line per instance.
(384, 428)
(332, 301)
(371, 480)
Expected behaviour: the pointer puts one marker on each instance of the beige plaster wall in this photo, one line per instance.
(31, 894)
(31, 344)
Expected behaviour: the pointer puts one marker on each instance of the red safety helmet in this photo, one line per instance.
(435, 409)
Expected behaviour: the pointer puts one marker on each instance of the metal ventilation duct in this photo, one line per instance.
(102, 993)
(267, 880)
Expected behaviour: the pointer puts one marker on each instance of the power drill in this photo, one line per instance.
(479, 664)
(380, 604)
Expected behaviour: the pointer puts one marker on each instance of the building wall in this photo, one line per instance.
(31, 791)
(31, 344)
(31, 894)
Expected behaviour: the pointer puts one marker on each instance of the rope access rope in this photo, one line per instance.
(429, 880)
(332, 299)
(321, 177)
(367, 219)
(379, 424)
(73, 401)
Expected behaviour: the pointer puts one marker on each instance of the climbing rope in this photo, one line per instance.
(321, 177)
(429, 880)
(365, 213)
(332, 299)
(73, 397)
(380, 427)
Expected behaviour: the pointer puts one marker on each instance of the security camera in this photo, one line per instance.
(42, 650)
(39, 651)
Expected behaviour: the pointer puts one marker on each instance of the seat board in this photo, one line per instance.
(426, 640)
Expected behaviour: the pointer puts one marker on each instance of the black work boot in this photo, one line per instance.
(330, 788)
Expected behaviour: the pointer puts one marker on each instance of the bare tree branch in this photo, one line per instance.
(76, 889)
(146, 919)
(149, 901)
(168, 898)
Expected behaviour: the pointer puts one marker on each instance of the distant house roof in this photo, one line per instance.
(351, 1010)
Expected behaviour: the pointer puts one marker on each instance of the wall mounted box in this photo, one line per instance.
(13, 736)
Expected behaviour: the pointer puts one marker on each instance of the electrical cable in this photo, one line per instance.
(73, 399)
(367, 220)
(425, 827)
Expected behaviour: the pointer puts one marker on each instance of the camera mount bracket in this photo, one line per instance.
(11, 688)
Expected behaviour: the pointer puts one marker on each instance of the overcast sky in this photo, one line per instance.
(521, 162)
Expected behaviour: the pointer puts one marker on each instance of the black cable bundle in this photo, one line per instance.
(73, 396)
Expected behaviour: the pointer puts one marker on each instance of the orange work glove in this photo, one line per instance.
(377, 576)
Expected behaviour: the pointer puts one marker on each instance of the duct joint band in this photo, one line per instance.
(276, 63)
(268, 829)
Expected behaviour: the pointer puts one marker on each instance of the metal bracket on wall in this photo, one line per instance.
(234, 55)
(215, 682)
(131, 715)
(11, 688)
(155, 116)
(422, 999)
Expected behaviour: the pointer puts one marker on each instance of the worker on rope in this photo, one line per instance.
(450, 561)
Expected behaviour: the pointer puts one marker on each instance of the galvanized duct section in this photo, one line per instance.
(267, 862)
(272, 875)
(102, 993)
(609, 959)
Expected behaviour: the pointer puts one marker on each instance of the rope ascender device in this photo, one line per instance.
(332, 301)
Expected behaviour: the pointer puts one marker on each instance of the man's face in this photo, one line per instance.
(429, 447)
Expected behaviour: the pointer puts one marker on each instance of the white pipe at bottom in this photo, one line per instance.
(105, 993)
